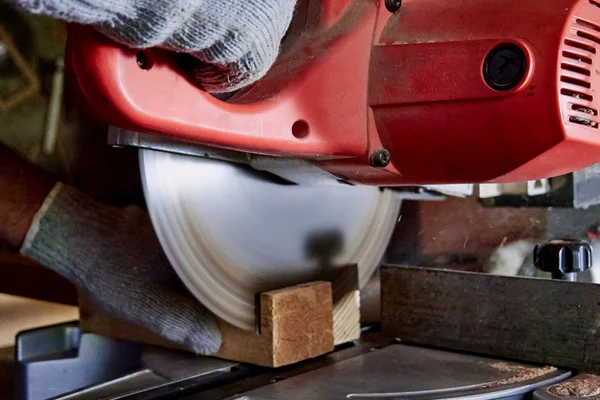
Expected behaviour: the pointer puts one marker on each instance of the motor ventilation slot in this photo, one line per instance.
(588, 24)
(577, 57)
(576, 95)
(587, 36)
(575, 81)
(595, 3)
(579, 45)
(583, 121)
(584, 109)
(576, 69)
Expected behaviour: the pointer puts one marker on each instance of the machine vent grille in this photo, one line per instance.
(578, 56)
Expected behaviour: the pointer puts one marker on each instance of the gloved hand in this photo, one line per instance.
(113, 255)
(236, 41)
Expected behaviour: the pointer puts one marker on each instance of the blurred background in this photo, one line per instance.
(40, 119)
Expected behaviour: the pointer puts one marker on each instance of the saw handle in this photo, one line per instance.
(146, 90)
(290, 108)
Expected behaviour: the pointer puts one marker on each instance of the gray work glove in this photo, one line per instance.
(114, 256)
(236, 41)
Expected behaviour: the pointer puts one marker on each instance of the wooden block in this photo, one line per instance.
(296, 323)
(543, 321)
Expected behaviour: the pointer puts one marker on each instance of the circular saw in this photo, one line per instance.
(231, 234)
(281, 182)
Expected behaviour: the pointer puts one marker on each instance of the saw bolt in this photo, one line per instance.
(393, 5)
(380, 158)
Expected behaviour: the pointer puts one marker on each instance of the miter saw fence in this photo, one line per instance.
(385, 92)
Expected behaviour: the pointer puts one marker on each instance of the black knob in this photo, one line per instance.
(505, 67)
(563, 258)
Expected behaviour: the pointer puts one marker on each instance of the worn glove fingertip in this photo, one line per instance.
(205, 340)
(216, 77)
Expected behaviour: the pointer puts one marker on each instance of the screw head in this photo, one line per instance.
(143, 60)
(380, 158)
(393, 5)
(505, 67)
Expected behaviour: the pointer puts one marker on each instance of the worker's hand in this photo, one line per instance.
(113, 255)
(110, 253)
(236, 41)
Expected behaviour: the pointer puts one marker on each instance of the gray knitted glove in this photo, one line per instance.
(114, 256)
(236, 40)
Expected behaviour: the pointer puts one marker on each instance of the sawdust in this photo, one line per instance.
(520, 373)
(580, 386)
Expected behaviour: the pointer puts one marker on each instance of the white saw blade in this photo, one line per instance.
(231, 235)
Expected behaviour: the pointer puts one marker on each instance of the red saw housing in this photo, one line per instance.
(433, 92)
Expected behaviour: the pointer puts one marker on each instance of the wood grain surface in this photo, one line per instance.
(543, 321)
(296, 324)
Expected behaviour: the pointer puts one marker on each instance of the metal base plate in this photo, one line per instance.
(369, 369)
